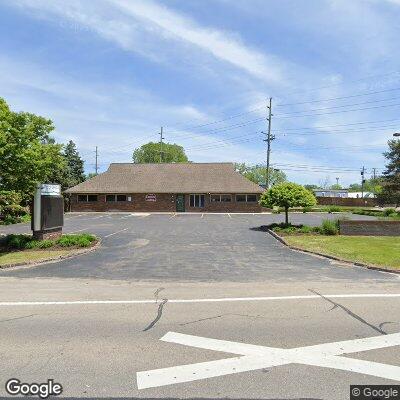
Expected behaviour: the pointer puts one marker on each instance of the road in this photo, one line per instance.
(96, 327)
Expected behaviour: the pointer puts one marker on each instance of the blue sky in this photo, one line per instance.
(111, 72)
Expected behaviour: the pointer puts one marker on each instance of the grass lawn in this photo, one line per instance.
(13, 257)
(383, 251)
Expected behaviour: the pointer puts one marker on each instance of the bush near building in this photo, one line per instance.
(11, 210)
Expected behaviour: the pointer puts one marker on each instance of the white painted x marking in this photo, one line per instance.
(252, 357)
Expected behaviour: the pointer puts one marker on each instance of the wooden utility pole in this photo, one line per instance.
(362, 181)
(161, 145)
(269, 139)
(96, 165)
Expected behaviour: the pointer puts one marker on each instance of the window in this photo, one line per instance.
(246, 198)
(196, 200)
(84, 198)
(217, 198)
(121, 197)
(116, 197)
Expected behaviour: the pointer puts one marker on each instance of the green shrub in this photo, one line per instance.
(332, 209)
(389, 212)
(11, 210)
(17, 241)
(39, 244)
(330, 227)
(83, 240)
(307, 209)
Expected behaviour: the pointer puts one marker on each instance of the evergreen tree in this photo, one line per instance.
(75, 170)
(391, 177)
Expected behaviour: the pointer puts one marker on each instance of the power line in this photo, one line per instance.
(338, 98)
(345, 105)
(287, 115)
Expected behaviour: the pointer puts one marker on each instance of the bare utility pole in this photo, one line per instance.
(269, 139)
(96, 166)
(337, 181)
(362, 181)
(374, 173)
(161, 145)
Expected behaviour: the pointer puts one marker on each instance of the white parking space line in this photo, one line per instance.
(114, 233)
(220, 300)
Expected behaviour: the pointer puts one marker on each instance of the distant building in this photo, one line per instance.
(359, 195)
(208, 187)
(343, 193)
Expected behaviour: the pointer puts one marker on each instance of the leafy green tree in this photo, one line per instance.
(311, 187)
(370, 185)
(390, 193)
(336, 186)
(149, 153)
(288, 195)
(10, 209)
(258, 173)
(28, 155)
(90, 175)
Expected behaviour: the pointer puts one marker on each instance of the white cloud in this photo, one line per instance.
(126, 23)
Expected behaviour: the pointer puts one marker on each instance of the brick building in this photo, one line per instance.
(201, 187)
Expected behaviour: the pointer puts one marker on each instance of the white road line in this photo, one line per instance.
(221, 300)
(229, 215)
(202, 216)
(114, 233)
(255, 357)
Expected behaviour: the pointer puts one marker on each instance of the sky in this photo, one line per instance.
(110, 73)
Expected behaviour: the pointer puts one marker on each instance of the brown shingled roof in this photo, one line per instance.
(168, 178)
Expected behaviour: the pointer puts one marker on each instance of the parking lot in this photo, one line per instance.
(192, 247)
(198, 306)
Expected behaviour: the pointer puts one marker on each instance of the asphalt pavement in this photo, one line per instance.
(198, 306)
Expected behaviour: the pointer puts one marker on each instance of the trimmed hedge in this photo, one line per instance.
(21, 242)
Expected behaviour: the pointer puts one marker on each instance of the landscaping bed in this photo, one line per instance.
(372, 250)
(375, 251)
(23, 249)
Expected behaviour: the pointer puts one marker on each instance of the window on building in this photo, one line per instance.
(116, 197)
(84, 198)
(246, 198)
(196, 200)
(217, 198)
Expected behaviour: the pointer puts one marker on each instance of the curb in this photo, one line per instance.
(358, 264)
(49, 260)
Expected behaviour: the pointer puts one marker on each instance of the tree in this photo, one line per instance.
(311, 187)
(75, 171)
(390, 193)
(336, 186)
(28, 155)
(90, 175)
(370, 185)
(150, 153)
(257, 174)
(288, 195)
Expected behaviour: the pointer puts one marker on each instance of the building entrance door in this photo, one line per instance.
(180, 203)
